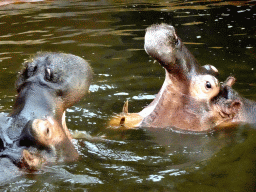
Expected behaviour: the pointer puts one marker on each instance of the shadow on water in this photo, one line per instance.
(110, 35)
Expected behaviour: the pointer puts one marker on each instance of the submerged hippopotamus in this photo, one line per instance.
(191, 97)
(35, 131)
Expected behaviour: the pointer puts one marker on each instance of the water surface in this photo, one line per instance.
(110, 35)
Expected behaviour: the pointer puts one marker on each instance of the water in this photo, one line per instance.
(109, 34)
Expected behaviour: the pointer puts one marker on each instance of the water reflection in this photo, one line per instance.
(110, 35)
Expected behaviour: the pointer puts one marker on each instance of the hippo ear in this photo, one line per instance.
(229, 81)
(30, 162)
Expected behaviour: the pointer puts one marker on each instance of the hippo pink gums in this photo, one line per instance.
(191, 97)
(36, 131)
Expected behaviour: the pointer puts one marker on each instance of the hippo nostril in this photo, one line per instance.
(59, 93)
(177, 42)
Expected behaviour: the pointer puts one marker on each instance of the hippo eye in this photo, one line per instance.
(208, 85)
(205, 87)
(48, 74)
(211, 86)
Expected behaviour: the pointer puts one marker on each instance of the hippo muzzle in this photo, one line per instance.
(35, 131)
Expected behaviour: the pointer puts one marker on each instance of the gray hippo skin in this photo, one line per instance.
(191, 97)
(35, 131)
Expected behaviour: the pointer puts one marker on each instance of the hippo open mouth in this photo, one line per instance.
(203, 102)
(35, 131)
(191, 97)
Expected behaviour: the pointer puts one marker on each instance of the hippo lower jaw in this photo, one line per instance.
(186, 113)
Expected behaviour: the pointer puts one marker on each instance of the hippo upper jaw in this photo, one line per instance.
(163, 44)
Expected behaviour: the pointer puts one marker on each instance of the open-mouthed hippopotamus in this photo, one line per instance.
(191, 97)
(35, 131)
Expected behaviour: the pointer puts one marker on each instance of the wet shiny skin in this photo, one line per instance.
(110, 35)
(191, 98)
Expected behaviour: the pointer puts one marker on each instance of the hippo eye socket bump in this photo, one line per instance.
(205, 87)
(211, 86)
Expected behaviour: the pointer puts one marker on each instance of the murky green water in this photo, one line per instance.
(109, 34)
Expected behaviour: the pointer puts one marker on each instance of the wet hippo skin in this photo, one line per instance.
(35, 131)
(191, 97)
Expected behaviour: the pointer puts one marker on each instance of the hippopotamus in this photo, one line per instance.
(35, 132)
(191, 97)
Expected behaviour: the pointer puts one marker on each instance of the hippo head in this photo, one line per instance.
(191, 97)
(66, 75)
(35, 131)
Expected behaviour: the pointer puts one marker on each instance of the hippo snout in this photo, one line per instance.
(160, 42)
